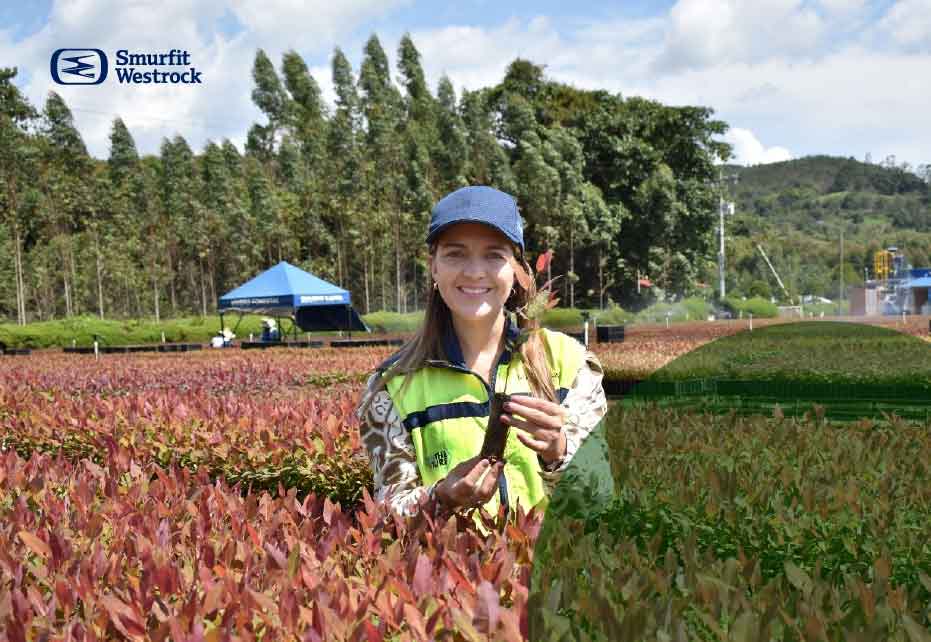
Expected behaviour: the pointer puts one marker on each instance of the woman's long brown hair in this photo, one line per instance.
(427, 342)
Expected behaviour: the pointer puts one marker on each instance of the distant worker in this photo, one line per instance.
(270, 330)
(222, 339)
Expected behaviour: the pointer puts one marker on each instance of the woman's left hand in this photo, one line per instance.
(541, 426)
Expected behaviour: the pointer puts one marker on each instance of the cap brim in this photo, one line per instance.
(432, 236)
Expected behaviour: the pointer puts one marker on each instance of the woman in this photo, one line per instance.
(425, 410)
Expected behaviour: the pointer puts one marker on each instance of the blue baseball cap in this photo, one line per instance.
(478, 204)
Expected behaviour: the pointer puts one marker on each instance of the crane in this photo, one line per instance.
(775, 274)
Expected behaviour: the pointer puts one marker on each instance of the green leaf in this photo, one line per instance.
(798, 578)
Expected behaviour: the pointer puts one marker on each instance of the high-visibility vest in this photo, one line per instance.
(445, 408)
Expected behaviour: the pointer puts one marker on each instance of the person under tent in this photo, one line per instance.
(223, 339)
(270, 330)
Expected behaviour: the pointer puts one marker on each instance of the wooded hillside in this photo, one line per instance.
(797, 210)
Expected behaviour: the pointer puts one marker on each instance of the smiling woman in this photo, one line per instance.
(425, 412)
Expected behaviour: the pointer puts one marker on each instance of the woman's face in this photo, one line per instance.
(473, 270)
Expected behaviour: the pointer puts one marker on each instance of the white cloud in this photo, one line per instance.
(307, 26)
(848, 99)
(808, 76)
(476, 57)
(221, 106)
(841, 7)
(710, 32)
(748, 150)
(908, 22)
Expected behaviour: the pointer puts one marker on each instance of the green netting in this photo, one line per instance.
(838, 401)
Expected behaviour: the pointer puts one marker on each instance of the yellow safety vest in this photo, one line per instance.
(445, 408)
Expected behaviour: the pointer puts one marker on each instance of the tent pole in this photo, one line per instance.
(238, 322)
(349, 320)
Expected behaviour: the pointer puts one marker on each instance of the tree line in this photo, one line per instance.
(615, 186)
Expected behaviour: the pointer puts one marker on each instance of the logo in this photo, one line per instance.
(89, 67)
(79, 66)
(438, 459)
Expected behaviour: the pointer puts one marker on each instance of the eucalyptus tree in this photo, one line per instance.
(452, 157)
(19, 170)
(347, 196)
(67, 165)
(269, 96)
(304, 173)
(182, 223)
(422, 149)
(488, 161)
(382, 107)
(240, 261)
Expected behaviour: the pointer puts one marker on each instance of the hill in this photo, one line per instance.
(798, 211)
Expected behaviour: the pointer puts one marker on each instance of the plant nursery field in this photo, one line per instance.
(225, 495)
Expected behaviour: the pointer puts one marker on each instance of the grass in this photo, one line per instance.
(691, 309)
(757, 306)
(829, 309)
(81, 331)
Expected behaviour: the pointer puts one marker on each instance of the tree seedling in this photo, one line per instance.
(496, 433)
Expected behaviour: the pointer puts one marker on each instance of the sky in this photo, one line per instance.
(792, 78)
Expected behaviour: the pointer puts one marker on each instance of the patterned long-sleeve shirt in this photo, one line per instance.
(391, 450)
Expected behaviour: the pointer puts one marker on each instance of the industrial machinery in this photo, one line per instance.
(882, 263)
(891, 275)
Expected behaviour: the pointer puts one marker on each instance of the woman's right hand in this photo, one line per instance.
(465, 485)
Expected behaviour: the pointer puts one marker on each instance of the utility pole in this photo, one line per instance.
(841, 295)
(722, 207)
(721, 250)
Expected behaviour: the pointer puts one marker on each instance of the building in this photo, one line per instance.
(864, 301)
(916, 298)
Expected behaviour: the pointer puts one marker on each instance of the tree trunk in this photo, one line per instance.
(381, 263)
(365, 277)
(601, 281)
(20, 283)
(155, 294)
(76, 308)
(397, 262)
(339, 263)
(212, 282)
(99, 275)
(414, 279)
(571, 267)
(137, 302)
(171, 285)
(203, 290)
(64, 279)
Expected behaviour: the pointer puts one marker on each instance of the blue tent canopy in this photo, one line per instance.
(285, 290)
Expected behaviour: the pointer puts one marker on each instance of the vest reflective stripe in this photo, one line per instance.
(446, 411)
